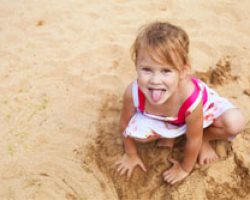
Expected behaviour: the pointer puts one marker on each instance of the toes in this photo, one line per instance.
(208, 160)
(201, 161)
(216, 158)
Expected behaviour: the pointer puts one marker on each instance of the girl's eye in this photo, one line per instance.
(146, 69)
(165, 71)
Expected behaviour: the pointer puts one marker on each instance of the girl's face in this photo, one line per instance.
(158, 82)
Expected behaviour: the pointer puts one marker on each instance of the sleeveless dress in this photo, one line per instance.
(144, 125)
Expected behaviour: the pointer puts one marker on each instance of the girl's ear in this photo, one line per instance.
(185, 71)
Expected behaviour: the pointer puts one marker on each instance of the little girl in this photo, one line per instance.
(166, 102)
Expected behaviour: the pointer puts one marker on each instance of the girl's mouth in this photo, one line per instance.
(156, 94)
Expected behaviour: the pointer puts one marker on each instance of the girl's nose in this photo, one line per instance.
(155, 79)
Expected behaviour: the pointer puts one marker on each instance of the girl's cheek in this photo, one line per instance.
(143, 75)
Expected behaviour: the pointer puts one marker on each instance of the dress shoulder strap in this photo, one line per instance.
(138, 97)
(135, 94)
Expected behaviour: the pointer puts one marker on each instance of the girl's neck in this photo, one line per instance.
(172, 105)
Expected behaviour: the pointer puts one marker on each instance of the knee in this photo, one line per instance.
(233, 122)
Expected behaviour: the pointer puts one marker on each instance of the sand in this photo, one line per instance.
(63, 68)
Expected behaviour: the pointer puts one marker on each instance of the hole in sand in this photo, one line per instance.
(203, 183)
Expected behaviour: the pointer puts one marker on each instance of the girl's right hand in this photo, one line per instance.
(127, 164)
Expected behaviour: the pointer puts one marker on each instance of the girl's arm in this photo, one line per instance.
(194, 138)
(130, 159)
(128, 110)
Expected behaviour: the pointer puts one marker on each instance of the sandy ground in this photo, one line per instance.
(63, 68)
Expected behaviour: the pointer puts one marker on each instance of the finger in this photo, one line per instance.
(169, 178)
(168, 172)
(123, 171)
(172, 160)
(115, 172)
(129, 174)
(143, 166)
(177, 179)
(170, 175)
(174, 181)
(116, 164)
(119, 168)
(167, 175)
(166, 178)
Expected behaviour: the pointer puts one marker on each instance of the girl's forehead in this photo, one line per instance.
(146, 57)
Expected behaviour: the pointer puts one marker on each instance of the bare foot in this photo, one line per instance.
(164, 142)
(207, 154)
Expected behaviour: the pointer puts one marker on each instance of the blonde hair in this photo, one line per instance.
(165, 43)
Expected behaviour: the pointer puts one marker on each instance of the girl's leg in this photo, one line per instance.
(229, 124)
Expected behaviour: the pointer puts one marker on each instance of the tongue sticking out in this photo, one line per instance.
(156, 95)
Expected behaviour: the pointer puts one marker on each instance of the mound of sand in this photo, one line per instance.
(63, 68)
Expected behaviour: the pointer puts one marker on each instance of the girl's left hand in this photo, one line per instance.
(175, 173)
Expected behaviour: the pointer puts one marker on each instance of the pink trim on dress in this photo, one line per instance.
(142, 100)
(187, 103)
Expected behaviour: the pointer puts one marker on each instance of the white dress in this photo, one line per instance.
(143, 125)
